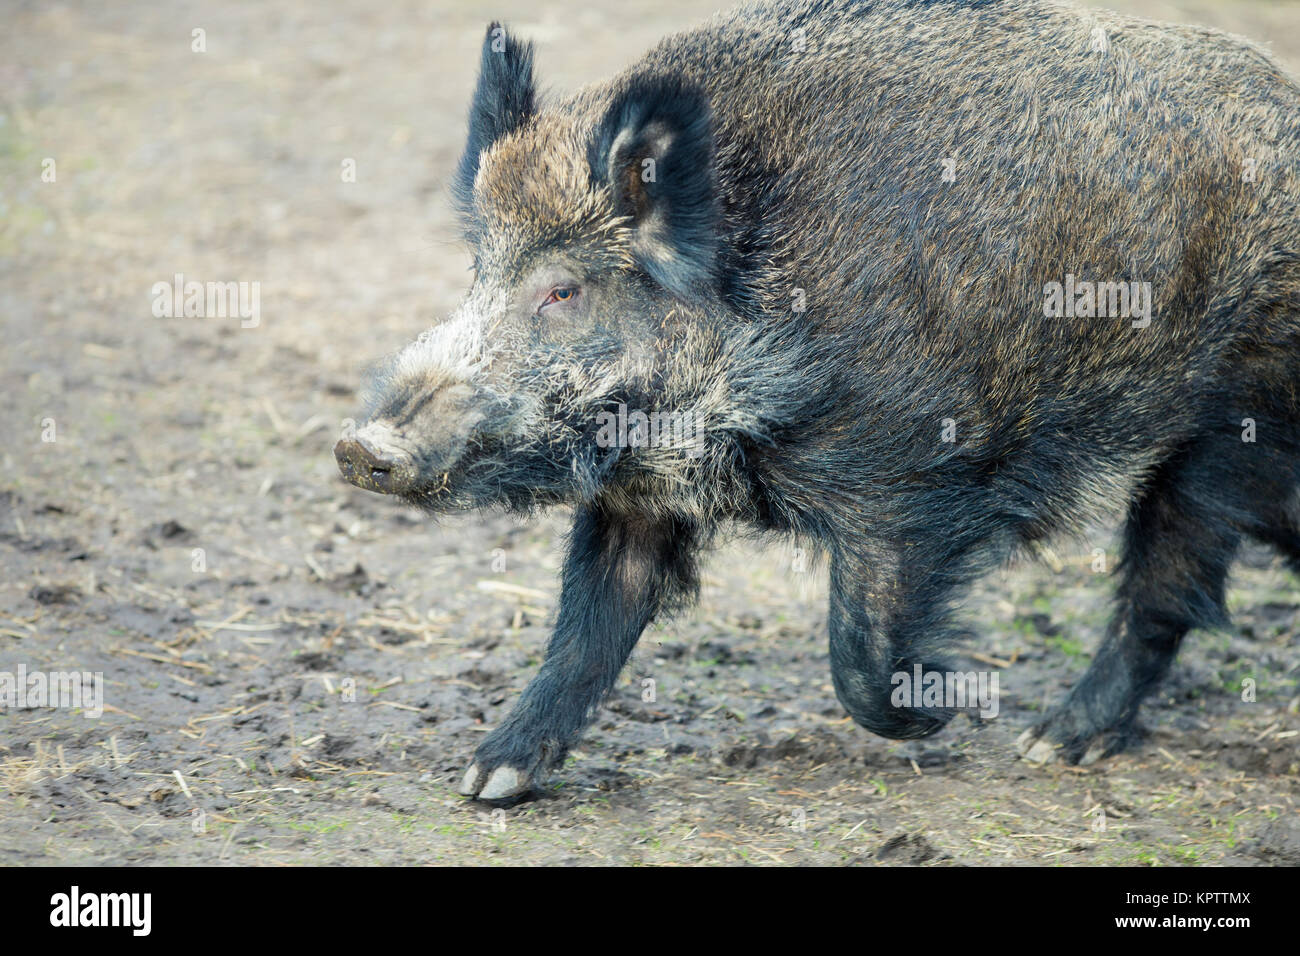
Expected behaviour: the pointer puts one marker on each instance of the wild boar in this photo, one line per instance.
(930, 282)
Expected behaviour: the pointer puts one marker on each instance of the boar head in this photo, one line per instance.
(593, 227)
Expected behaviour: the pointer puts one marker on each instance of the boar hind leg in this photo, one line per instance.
(1272, 501)
(618, 573)
(1178, 543)
(1279, 526)
(885, 620)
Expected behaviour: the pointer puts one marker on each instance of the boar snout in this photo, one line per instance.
(370, 463)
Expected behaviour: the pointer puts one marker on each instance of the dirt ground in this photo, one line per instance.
(297, 671)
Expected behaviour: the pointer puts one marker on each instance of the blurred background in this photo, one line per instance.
(170, 513)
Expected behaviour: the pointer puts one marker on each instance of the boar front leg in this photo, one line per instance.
(886, 616)
(620, 571)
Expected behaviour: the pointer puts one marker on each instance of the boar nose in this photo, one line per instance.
(371, 468)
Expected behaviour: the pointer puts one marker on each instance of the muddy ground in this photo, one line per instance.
(297, 671)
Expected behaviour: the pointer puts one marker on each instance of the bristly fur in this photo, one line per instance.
(861, 338)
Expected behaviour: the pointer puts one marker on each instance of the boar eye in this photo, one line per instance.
(560, 294)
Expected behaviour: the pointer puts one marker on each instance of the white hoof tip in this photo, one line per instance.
(1025, 741)
(469, 785)
(504, 782)
(1035, 750)
(1093, 754)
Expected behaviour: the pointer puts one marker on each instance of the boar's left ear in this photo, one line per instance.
(504, 99)
(654, 149)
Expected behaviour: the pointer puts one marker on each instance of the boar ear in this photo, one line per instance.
(504, 99)
(654, 149)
